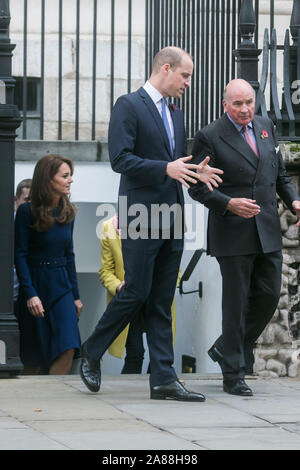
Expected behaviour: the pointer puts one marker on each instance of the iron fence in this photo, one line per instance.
(208, 29)
(284, 108)
(58, 9)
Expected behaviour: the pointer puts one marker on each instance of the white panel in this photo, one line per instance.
(93, 182)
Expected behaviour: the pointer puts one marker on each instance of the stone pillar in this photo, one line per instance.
(9, 121)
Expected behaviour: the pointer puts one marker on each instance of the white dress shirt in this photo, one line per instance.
(156, 97)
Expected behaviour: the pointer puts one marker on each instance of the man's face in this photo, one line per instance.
(240, 104)
(23, 198)
(177, 80)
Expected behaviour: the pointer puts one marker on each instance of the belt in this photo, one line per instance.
(47, 262)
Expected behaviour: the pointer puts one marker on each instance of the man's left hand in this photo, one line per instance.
(296, 207)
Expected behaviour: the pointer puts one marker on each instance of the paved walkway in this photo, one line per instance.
(58, 412)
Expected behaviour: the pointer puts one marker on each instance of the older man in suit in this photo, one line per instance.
(147, 145)
(243, 226)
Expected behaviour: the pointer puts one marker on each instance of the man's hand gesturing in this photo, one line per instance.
(208, 174)
(189, 172)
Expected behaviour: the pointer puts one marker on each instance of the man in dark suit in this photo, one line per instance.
(243, 226)
(147, 145)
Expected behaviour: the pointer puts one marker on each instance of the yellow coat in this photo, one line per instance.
(112, 273)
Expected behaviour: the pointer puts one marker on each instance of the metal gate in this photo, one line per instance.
(207, 29)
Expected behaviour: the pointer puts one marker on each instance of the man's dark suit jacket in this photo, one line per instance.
(245, 176)
(139, 149)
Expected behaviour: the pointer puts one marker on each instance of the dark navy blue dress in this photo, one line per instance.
(46, 268)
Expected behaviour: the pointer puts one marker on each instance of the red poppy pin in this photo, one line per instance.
(173, 107)
(264, 135)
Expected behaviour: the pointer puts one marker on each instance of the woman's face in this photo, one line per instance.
(61, 183)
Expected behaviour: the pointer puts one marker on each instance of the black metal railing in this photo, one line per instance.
(285, 110)
(210, 30)
(58, 10)
(284, 92)
(189, 271)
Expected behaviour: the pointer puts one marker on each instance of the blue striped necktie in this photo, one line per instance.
(166, 124)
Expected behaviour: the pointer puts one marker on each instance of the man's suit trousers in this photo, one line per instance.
(251, 290)
(151, 271)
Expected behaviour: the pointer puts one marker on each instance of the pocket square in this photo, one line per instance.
(277, 149)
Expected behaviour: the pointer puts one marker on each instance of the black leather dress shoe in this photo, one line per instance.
(237, 387)
(215, 354)
(175, 391)
(90, 371)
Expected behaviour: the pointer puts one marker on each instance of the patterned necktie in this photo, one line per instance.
(251, 141)
(166, 124)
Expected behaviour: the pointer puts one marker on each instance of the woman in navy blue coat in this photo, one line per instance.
(49, 299)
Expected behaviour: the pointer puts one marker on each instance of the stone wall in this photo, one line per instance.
(278, 349)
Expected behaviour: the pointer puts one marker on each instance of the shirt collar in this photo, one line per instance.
(237, 126)
(154, 94)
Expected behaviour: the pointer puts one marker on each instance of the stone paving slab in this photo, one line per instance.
(53, 408)
(11, 423)
(293, 427)
(209, 414)
(270, 402)
(27, 439)
(59, 413)
(112, 434)
(247, 439)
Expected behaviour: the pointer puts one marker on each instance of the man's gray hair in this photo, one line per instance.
(225, 94)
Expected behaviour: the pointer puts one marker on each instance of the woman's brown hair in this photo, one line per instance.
(42, 195)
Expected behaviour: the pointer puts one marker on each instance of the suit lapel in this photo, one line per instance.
(156, 116)
(235, 140)
(260, 143)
